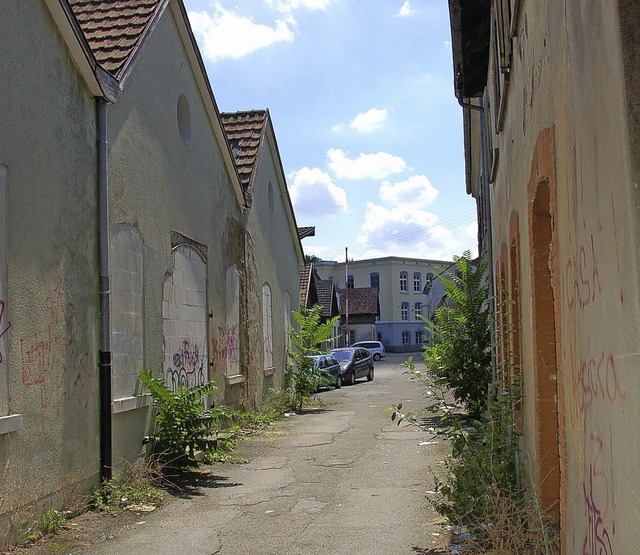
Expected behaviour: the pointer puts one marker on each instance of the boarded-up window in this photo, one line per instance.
(267, 327)
(184, 319)
(5, 324)
(127, 302)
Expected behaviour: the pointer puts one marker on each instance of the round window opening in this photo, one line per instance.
(184, 119)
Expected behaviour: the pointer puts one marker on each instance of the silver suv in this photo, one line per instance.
(376, 348)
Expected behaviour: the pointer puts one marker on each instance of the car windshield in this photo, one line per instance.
(343, 355)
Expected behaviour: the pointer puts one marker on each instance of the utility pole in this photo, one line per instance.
(346, 296)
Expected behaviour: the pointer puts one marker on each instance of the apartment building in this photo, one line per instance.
(409, 291)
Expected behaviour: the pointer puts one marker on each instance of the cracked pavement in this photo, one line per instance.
(341, 480)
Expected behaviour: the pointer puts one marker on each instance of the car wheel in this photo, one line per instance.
(377, 356)
(338, 382)
(352, 378)
(370, 374)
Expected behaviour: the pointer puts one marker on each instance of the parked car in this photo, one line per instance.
(356, 362)
(330, 370)
(376, 348)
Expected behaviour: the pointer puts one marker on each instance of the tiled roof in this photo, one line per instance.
(114, 28)
(362, 300)
(309, 231)
(245, 131)
(326, 296)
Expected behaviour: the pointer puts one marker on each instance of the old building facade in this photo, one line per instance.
(128, 241)
(409, 290)
(550, 95)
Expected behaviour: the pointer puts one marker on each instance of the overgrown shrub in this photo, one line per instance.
(460, 356)
(307, 339)
(184, 426)
(478, 487)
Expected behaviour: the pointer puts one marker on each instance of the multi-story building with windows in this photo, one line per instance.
(409, 291)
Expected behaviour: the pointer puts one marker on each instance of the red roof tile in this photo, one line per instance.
(362, 300)
(245, 131)
(114, 28)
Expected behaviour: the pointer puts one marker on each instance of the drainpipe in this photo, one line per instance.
(487, 215)
(106, 434)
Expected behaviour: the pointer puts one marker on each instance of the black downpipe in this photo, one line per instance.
(106, 431)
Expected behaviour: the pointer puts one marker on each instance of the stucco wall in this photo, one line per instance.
(276, 263)
(50, 298)
(565, 129)
(172, 186)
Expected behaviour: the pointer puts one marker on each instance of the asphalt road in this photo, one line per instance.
(339, 480)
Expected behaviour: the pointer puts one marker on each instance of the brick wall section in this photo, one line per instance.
(548, 402)
(516, 302)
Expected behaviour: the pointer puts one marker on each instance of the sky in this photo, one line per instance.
(368, 129)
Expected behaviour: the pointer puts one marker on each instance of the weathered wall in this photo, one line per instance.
(565, 178)
(48, 267)
(275, 260)
(168, 181)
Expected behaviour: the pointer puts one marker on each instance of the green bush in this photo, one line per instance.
(301, 376)
(183, 426)
(460, 356)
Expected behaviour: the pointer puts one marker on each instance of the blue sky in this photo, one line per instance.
(368, 128)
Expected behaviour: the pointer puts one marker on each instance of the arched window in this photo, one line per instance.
(404, 311)
(404, 279)
(267, 327)
(417, 282)
(374, 279)
(417, 310)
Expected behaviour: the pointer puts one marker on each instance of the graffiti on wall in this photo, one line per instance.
(598, 498)
(187, 369)
(4, 323)
(225, 346)
(596, 357)
(582, 278)
(52, 361)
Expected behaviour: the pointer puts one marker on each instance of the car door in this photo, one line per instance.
(359, 362)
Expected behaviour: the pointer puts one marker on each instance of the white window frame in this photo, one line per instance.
(417, 310)
(406, 337)
(404, 282)
(404, 311)
(417, 282)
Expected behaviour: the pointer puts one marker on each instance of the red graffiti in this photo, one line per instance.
(583, 278)
(597, 540)
(49, 358)
(4, 327)
(598, 377)
(225, 346)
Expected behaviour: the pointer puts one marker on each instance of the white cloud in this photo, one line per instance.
(288, 6)
(314, 193)
(366, 166)
(407, 232)
(365, 122)
(228, 35)
(416, 191)
(405, 10)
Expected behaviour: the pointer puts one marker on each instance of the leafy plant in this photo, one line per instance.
(460, 356)
(183, 425)
(307, 340)
(49, 523)
(134, 488)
